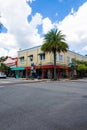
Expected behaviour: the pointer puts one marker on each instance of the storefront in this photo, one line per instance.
(19, 72)
(47, 71)
(44, 72)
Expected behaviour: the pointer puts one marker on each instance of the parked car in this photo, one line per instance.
(2, 75)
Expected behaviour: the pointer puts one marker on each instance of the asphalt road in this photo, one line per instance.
(44, 106)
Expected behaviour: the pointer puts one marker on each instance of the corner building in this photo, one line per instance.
(41, 64)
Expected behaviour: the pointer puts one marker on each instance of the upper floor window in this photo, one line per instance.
(31, 58)
(57, 57)
(42, 56)
(68, 59)
(22, 60)
(60, 57)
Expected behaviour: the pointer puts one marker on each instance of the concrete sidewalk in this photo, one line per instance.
(10, 81)
(80, 80)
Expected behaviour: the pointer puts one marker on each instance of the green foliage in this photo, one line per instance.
(3, 58)
(54, 41)
(81, 65)
(81, 62)
(3, 67)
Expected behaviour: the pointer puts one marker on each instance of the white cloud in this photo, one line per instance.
(36, 20)
(21, 34)
(8, 44)
(84, 48)
(14, 17)
(47, 25)
(30, 1)
(3, 52)
(74, 26)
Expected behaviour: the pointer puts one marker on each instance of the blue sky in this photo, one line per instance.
(25, 25)
(56, 10)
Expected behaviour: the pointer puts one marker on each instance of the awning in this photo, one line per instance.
(30, 56)
(18, 68)
(27, 68)
(41, 53)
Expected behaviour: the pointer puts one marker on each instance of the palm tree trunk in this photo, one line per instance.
(55, 76)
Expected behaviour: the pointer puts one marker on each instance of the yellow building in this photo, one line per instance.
(33, 60)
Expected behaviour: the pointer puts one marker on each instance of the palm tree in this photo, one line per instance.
(54, 41)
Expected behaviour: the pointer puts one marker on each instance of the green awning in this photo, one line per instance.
(18, 68)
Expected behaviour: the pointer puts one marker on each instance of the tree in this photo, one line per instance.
(54, 41)
(3, 58)
(3, 67)
(81, 68)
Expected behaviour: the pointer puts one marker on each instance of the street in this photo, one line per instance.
(44, 106)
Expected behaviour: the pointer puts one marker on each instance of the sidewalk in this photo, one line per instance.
(75, 80)
(10, 81)
(80, 80)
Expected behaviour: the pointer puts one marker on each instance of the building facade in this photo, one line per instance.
(11, 63)
(40, 64)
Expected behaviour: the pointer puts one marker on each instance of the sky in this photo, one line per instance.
(25, 22)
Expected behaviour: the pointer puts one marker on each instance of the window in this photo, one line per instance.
(31, 58)
(68, 59)
(60, 58)
(57, 57)
(42, 56)
(21, 60)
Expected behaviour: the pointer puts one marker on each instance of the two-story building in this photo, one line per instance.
(41, 64)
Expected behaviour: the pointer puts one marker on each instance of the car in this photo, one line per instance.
(2, 75)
